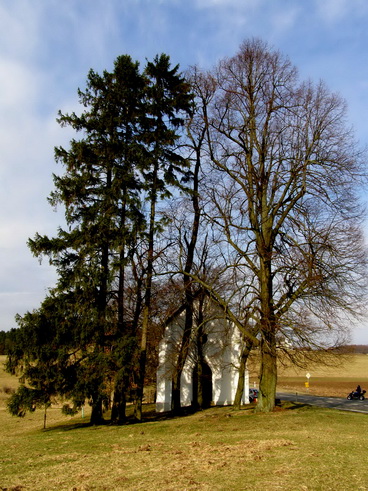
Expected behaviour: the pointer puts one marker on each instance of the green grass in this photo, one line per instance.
(294, 448)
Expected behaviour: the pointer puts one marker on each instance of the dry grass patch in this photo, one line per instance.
(217, 449)
(295, 448)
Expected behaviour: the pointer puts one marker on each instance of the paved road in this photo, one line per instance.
(331, 402)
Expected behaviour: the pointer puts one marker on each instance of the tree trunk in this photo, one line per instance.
(268, 368)
(138, 408)
(96, 414)
(147, 301)
(182, 357)
(198, 400)
(118, 415)
(198, 403)
(268, 380)
(176, 390)
(188, 287)
(246, 349)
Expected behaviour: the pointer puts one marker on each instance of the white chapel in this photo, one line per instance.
(221, 352)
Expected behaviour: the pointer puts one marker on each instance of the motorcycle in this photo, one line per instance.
(356, 395)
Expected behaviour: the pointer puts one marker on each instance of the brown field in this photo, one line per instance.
(335, 377)
(7, 383)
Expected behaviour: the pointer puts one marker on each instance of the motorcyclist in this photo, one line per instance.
(358, 393)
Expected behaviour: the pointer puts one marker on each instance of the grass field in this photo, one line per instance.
(295, 448)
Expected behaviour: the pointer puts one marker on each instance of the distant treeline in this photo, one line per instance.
(5, 337)
(352, 348)
(5, 341)
(359, 348)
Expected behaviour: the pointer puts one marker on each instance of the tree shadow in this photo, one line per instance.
(292, 405)
(150, 416)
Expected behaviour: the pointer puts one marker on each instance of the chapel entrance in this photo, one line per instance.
(206, 384)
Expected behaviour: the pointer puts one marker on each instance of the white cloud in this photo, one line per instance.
(285, 19)
(17, 87)
(18, 27)
(332, 11)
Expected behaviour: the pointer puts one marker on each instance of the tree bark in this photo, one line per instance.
(118, 415)
(268, 369)
(96, 414)
(147, 299)
(268, 374)
(246, 349)
(188, 289)
(183, 351)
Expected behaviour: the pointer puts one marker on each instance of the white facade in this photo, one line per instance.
(221, 353)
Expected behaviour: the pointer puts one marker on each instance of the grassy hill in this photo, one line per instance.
(295, 448)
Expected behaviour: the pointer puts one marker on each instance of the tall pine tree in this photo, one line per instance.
(169, 100)
(100, 192)
(127, 155)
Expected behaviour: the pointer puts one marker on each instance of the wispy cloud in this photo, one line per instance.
(332, 11)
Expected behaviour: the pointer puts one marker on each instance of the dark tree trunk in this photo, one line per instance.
(188, 288)
(182, 357)
(268, 371)
(268, 368)
(96, 414)
(118, 415)
(246, 349)
(147, 302)
(268, 327)
(200, 397)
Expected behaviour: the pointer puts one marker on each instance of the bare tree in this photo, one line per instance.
(283, 194)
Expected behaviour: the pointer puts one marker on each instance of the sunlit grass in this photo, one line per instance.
(295, 448)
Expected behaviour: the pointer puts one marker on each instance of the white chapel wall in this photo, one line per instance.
(222, 353)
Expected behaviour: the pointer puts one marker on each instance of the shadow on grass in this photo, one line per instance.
(68, 427)
(150, 415)
(291, 405)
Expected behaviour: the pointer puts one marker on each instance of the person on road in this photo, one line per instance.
(358, 390)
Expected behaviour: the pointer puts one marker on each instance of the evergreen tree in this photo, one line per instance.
(104, 258)
(3, 336)
(168, 101)
(41, 353)
(100, 192)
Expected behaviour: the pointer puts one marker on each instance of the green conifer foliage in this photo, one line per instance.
(88, 338)
(168, 102)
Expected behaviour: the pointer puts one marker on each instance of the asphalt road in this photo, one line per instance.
(330, 402)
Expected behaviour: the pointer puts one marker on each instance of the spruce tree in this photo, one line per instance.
(169, 100)
(126, 156)
(100, 193)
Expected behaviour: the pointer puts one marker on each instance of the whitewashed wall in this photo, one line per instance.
(222, 352)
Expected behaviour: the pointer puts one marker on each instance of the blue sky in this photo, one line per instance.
(47, 48)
